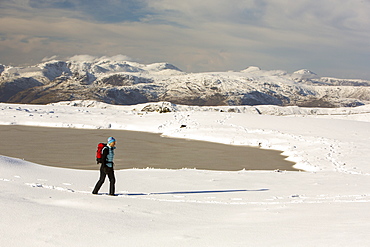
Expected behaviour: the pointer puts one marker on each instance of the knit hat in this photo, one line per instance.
(111, 139)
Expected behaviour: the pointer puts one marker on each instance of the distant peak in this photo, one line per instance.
(161, 66)
(304, 72)
(251, 69)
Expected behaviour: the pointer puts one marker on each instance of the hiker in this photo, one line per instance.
(106, 167)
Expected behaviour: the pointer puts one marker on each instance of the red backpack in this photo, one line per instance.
(99, 152)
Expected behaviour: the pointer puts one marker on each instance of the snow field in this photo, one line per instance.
(325, 206)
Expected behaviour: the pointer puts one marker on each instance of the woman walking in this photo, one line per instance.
(106, 168)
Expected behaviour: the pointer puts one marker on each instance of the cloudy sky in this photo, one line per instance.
(329, 37)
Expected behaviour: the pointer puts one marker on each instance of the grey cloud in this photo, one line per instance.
(107, 11)
(64, 4)
(194, 35)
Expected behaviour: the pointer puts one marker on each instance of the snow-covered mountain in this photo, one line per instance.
(116, 81)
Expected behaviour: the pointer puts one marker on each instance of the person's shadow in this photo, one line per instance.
(186, 192)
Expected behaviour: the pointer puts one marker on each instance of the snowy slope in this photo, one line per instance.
(327, 206)
(116, 81)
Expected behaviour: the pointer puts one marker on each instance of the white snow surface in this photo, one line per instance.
(327, 205)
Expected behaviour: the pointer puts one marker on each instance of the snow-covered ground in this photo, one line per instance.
(325, 206)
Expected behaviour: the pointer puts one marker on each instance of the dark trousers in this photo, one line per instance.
(105, 171)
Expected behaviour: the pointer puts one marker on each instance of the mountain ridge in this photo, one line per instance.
(126, 83)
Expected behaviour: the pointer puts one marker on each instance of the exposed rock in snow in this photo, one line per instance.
(2, 67)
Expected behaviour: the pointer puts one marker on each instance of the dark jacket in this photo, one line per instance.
(108, 156)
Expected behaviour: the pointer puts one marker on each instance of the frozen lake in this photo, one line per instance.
(75, 148)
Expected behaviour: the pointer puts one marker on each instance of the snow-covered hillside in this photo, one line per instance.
(115, 81)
